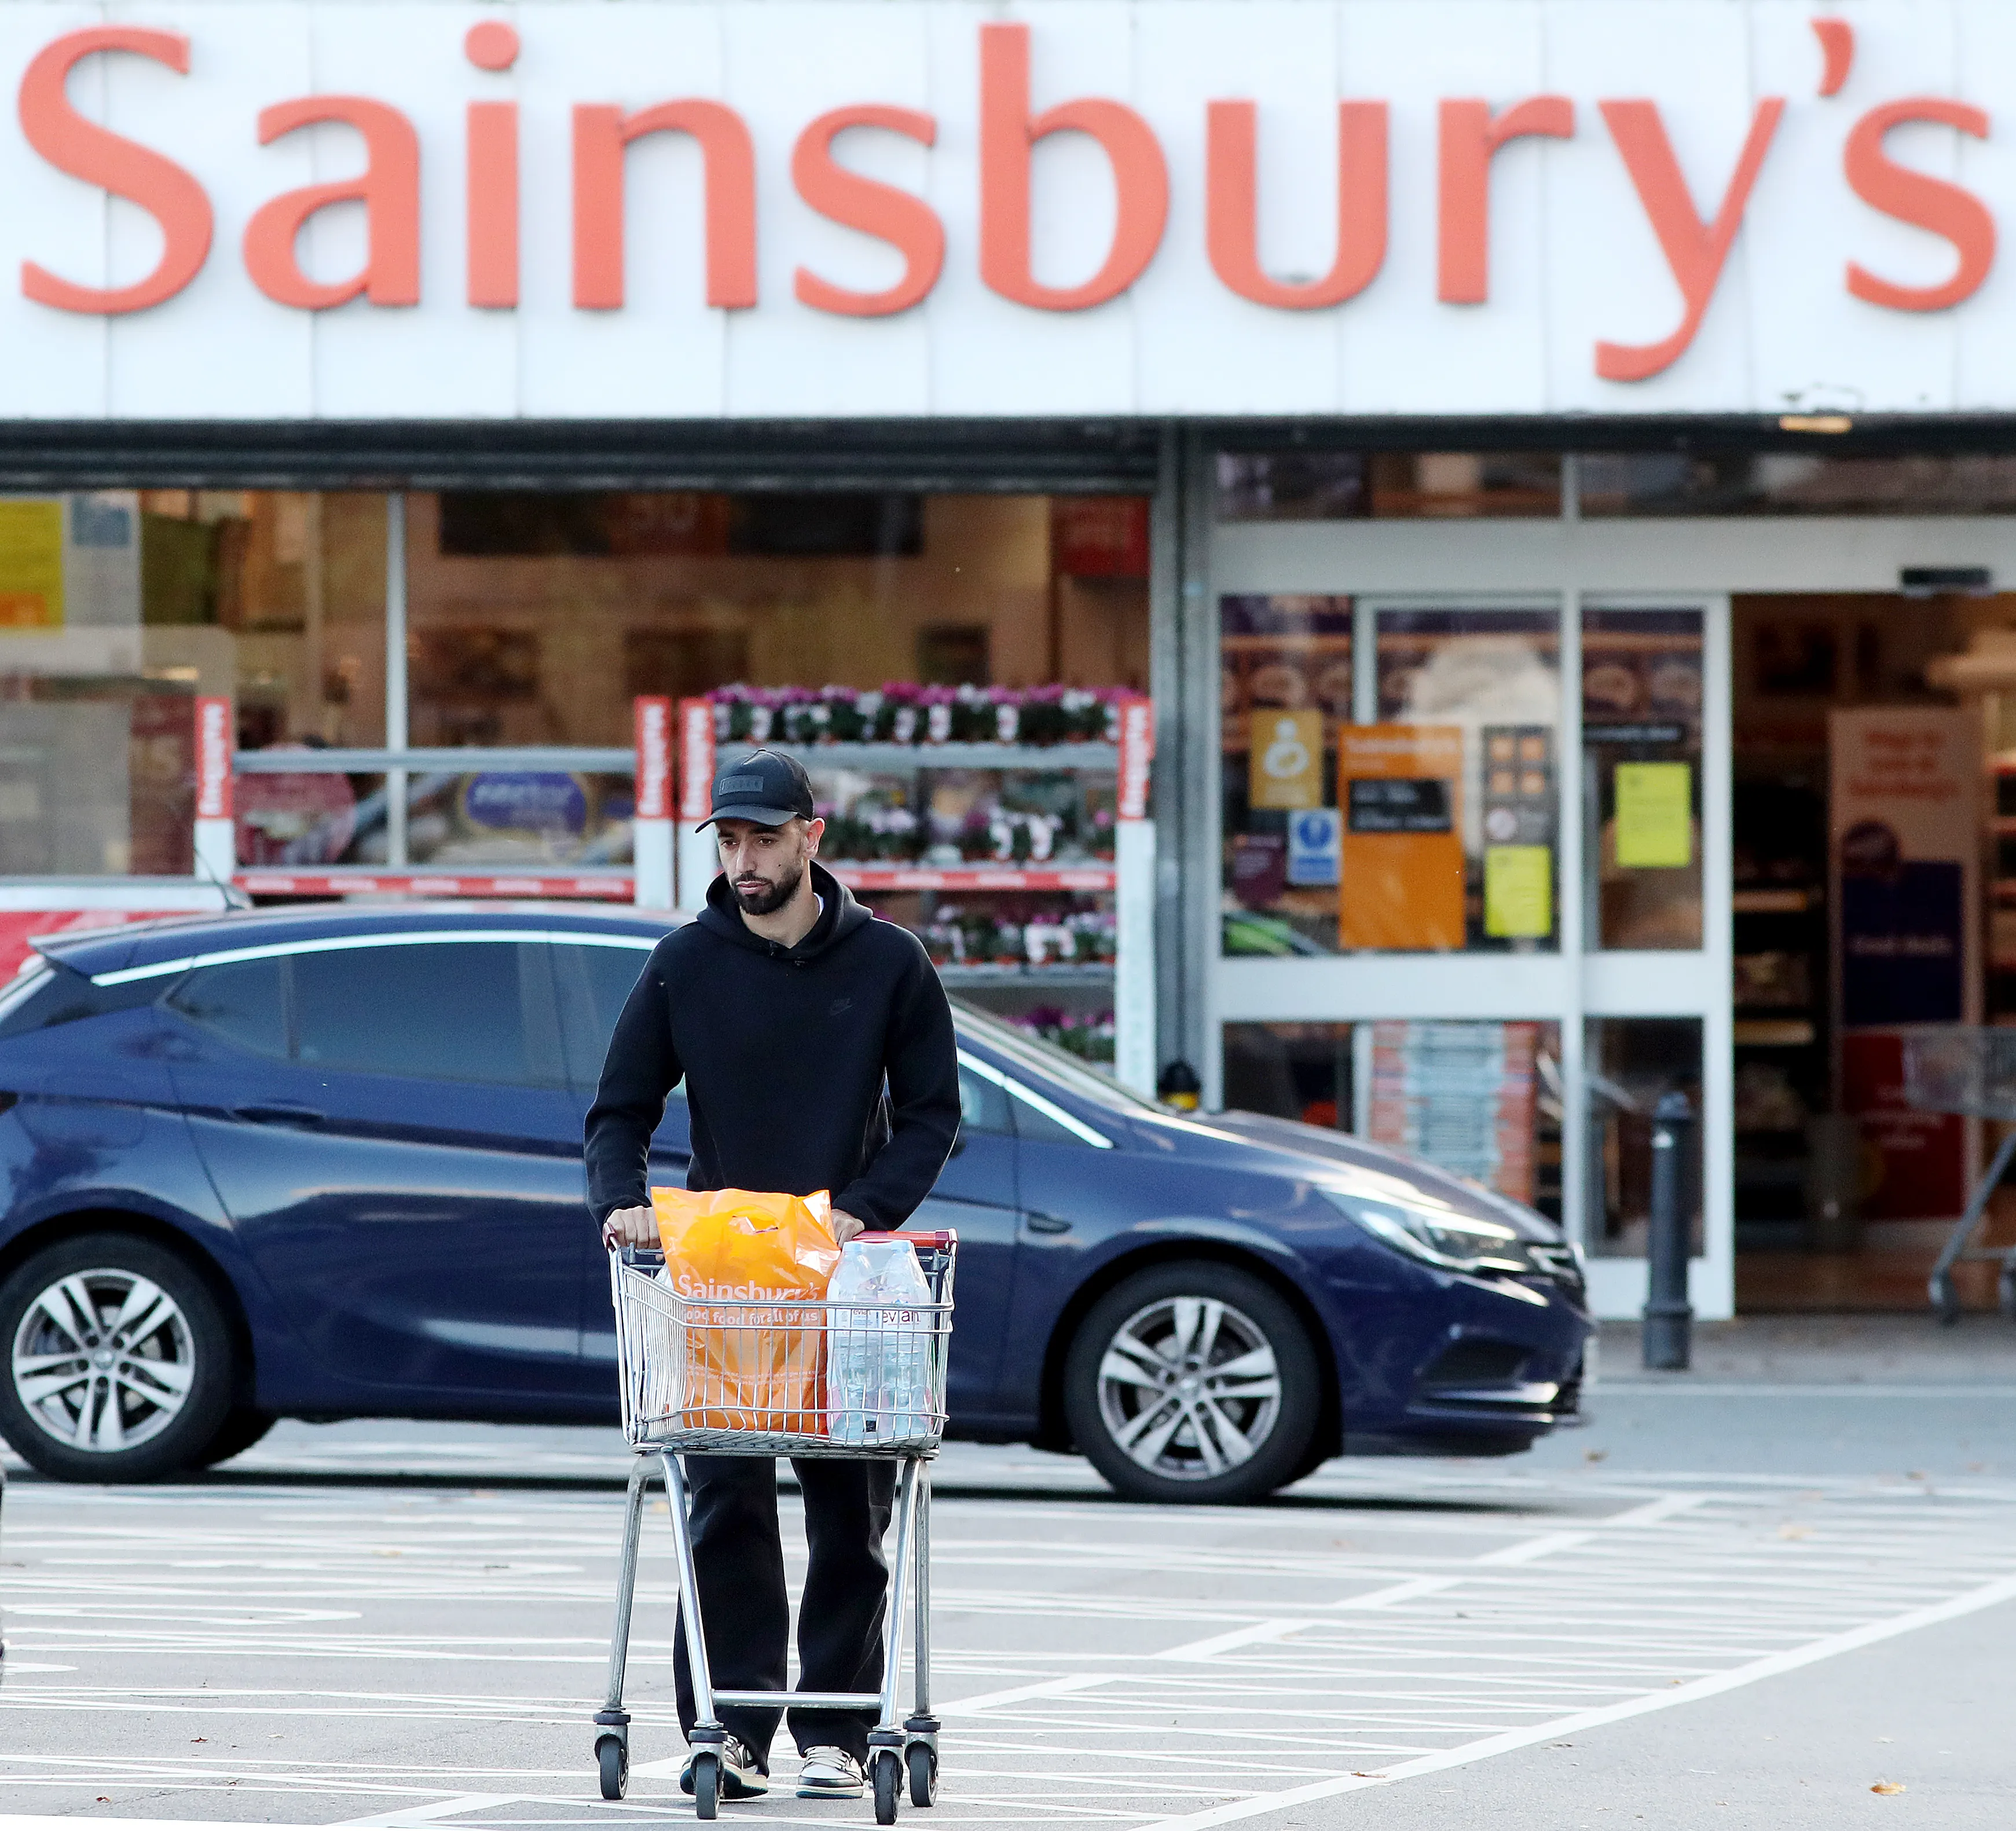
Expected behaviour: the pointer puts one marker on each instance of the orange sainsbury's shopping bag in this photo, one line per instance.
(741, 1369)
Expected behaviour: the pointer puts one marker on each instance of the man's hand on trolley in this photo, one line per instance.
(639, 1226)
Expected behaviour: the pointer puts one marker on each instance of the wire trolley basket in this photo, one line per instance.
(1971, 1070)
(727, 1374)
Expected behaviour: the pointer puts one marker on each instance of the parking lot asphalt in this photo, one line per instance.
(1718, 1603)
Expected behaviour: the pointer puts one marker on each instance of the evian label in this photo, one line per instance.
(1137, 751)
(654, 758)
(213, 758)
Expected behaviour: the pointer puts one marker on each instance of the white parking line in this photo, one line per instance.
(440, 1808)
(1075, 1626)
(1399, 1592)
(1987, 1596)
(988, 1700)
(1239, 1637)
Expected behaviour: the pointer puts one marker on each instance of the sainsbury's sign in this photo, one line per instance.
(825, 207)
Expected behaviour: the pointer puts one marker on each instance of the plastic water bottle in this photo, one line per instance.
(878, 1360)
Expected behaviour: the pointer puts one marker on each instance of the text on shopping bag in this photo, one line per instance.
(759, 1369)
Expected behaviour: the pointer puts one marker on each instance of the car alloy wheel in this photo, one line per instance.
(119, 1364)
(103, 1359)
(1193, 1381)
(1189, 1388)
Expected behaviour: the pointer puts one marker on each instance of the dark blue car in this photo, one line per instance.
(326, 1162)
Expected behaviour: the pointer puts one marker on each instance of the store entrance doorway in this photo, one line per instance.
(1693, 937)
(1466, 914)
(1868, 741)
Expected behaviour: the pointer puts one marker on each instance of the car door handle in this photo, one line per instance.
(1047, 1224)
(277, 1112)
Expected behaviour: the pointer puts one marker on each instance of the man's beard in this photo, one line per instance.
(768, 902)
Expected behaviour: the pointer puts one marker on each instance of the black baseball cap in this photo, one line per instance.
(764, 787)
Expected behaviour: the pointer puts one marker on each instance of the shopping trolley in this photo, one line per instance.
(1964, 1069)
(708, 1377)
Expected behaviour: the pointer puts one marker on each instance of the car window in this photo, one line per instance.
(1047, 1060)
(593, 983)
(61, 995)
(1035, 1125)
(451, 1012)
(245, 1003)
(983, 1107)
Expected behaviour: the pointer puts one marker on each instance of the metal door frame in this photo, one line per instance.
(1676, 563)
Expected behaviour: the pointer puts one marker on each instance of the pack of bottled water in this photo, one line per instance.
(878, 1360)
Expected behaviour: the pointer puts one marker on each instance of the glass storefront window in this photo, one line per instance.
(118, 607)
(1306, 485)
(1793, 483)
(1291, 1071)
(1631, 1062)
(277, 598)
(1284, 694)
(1429, 826)
(1641, 696)
(1477, 1099)
(536, 618)
(1452, 800)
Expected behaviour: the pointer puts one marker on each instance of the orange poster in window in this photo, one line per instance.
(1400, 885)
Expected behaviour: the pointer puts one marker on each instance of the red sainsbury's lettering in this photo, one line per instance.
(908, 224)
(600, 135)
(1470, 136)
(124, 168)
(388, 188)
(1696, 251)
(1926, 203)
(1008, 137)
(1232, 207)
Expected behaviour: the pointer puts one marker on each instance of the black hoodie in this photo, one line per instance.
(827, 1066)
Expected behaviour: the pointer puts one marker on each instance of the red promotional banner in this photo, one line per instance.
(214, 740)
(695, 758)
(654, 757)
(1137, 752)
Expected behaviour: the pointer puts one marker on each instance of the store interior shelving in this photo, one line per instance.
(1782, 1079)
(1002, 857)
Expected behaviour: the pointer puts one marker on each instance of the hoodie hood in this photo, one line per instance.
(841, 917)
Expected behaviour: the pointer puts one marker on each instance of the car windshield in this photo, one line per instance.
(1045, 1058)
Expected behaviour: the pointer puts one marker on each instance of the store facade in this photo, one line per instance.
(1511, 443)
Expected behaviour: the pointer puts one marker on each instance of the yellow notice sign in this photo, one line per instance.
(1654, 817)
(1284, 758)
(1518, 892)
(32, 586)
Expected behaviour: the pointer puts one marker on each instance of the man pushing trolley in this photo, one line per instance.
(817, 1051)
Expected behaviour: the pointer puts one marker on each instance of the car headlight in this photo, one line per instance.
(1437, 1236)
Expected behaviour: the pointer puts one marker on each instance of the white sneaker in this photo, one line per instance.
(829, 1773)
(740, 1777)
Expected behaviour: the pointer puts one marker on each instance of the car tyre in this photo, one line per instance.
(110, 1318)
(240, 1430)
(1194, 1382)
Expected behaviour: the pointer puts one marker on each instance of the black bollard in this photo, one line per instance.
(1668, 1315)
(1178, 1086)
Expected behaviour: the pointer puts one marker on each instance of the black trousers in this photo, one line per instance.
(739, 1559)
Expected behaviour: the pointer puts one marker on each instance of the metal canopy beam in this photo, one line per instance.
(1117, 457)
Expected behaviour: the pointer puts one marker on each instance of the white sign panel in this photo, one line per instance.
(917, 207)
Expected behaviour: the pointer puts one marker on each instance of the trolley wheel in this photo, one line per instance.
(923, 1763)
(612, 1757)
(1945, 1299)
(888, 1784)
(707, 1785)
